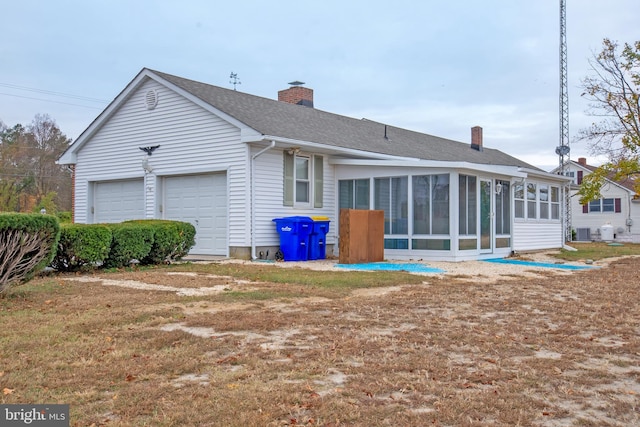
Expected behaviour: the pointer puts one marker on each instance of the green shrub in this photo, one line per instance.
(64, 217)
(82, 246)
(131, 241)
(171, 240)
(28, 243)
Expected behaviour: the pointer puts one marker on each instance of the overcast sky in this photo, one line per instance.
(438, 67)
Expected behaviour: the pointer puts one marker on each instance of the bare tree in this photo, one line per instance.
(28, 165)
(49, 142)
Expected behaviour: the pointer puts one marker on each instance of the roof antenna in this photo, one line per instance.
(385, 133)
(235, 80)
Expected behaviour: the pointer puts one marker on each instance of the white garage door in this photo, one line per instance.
(202, 201)
(116, 201)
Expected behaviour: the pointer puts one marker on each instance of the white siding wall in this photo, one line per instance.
(532, 235)
(191, 139)
(269, 195)
(535, 234)
(634, 230)
(595, 220)
(149, 195)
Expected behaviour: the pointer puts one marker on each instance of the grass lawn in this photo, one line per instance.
(256, 345)
(598, 250)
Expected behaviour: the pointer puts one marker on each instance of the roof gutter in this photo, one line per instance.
(253, 196)
(543, 174)
(436, 164)
(326, 148)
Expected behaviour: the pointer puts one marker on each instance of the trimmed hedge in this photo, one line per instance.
(82, 246)
(131, 241)
(28, 243)
(171, 240)
(149, 241)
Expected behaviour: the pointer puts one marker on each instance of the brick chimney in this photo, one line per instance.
(297, 94)
(582, 161)
(476, 138)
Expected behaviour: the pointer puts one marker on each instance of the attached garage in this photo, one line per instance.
(117, 201)
(202, 201)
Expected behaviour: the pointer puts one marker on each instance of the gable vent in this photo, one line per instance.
(151, 99)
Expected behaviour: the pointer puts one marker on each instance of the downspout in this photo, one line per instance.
(72, 168)
(253, 196)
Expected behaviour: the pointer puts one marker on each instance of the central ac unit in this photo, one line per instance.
(583, 234)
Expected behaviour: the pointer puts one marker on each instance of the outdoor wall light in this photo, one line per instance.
(498, 188)
(145, 165)
(293, 150)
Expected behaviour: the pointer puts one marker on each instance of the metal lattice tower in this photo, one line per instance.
(563, 148)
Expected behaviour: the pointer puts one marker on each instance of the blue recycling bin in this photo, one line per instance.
(318, 237)
(294, 234)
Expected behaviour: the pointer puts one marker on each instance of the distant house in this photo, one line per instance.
(230, 162)
(619, 207)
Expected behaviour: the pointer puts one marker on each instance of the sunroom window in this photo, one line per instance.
(555, 203)
(353, 194)
(391, 196)
(468, 196)
(544, 202)
(518, 197)
(531, 201)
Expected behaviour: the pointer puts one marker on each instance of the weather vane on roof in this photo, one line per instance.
(234, 80)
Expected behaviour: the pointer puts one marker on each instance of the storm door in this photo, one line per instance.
(486, 217)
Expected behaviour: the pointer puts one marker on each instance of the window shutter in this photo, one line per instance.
(580, 177)
(288, 179)
(618, 204)
(318, 186)
(585, 208)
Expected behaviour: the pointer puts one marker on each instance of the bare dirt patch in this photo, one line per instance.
(547, 349)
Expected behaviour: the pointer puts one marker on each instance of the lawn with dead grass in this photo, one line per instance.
(235, 345)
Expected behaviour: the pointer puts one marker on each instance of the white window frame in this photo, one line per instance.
(601, 205)
(555, 202)
(314, 180)
(298, 180)
(531, 201)
(544, 206)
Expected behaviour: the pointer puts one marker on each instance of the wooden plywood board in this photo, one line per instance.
(361, 236)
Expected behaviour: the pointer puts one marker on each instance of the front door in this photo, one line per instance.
(486, 217)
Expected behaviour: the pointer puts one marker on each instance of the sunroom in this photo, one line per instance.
(453, 214)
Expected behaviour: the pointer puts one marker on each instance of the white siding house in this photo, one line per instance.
(230, 162)
(618, 208)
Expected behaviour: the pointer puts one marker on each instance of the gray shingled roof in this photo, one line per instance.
(281, 119)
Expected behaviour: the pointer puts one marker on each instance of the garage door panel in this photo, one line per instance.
(117, 201)
(202, 201)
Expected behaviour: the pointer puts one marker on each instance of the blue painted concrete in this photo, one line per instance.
(387, 266)
(538, 264)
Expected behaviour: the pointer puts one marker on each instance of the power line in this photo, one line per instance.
(50, 92)
(51, 100)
